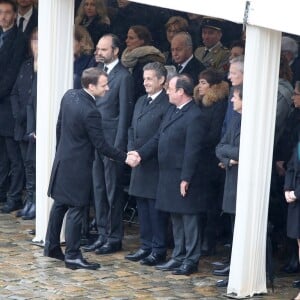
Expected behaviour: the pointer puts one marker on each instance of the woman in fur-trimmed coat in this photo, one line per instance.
(211, 94)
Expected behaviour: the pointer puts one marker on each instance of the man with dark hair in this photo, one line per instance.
(179, 144)
(116, 108)
(149, 112)
(27, 18)
(12, 53)
(78, 133)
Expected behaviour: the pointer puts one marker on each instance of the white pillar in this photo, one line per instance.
(248, 259)
(55, 73)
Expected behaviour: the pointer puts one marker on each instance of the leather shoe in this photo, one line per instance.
(10, 207)
(169, 266)
(185, 269)
(109, 248)
(153, 259)
(96, 245)
(222, 283)
(81, 263)
(24, 210)
(222, 272)
(138, 255)
(296, 284)
(30, 214)
(57, 254)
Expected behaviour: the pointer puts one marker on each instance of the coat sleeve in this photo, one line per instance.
(126, 106)
(94, 129)
(194, 143)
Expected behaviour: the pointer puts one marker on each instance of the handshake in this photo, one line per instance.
(133, 159)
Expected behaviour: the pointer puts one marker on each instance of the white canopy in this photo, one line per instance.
(265, 20)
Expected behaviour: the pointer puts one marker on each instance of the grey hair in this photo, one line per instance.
(289, 44)
(239, 61)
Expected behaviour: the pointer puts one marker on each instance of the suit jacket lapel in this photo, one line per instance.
(171, 118)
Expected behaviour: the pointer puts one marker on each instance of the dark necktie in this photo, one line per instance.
(105, 69)
(148, 101)
(205, 53)
(179, 68)
(21, 21)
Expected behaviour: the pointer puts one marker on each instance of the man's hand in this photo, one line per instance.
(133, 159)
(290, 196)
(184, 185)
(221, 165)
(233, 162)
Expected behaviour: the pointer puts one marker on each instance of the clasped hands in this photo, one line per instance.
(133, 159)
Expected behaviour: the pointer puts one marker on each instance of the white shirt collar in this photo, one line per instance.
(154, 96)
(111, 65)
(87, 91)
(186, 62)
(184, 104)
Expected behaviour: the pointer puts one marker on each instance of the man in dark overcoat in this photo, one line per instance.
(12, 54)
(149, 112)
(79, 132)
(116, 108)
(179, 143)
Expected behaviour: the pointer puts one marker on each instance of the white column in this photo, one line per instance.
(55, 73)
(248, 259)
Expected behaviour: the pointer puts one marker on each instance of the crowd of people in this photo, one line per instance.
(156, 106)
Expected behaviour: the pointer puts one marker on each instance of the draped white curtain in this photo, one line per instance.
(55, 73)
(248, 259)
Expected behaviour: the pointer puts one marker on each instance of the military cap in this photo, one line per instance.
(212, 23)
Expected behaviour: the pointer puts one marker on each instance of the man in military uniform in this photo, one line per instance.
(213, 54)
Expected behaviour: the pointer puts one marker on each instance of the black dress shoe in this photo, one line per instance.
(222, 283)
(30, 214)
(222, 272)
(185, 269)
(10, 207)
(81, 263)
(169, 266)
(153, 259)
(296, 284)
(96, 245)
(57, 254)
(109, 248)
(24, 210)
(138, 255)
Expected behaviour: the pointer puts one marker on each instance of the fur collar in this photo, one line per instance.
(214, 94)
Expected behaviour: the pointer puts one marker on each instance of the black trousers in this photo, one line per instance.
(153, 226)
(30, 169)
(109, 198)
(11, 164)
(72, 231)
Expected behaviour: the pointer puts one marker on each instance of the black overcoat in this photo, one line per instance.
(228, 149)
(145, 124)
(20, 95)
(179, 144)
(79, 132)
(12, 54)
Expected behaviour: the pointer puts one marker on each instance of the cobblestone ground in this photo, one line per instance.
(26, 274)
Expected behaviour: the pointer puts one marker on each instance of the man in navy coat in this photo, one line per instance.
(149, 112)
(179, 144)
(79, 132)
(12, 54)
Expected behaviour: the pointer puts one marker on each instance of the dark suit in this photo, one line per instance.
(12, 54)
(116, 108)
(193, 68)
(179, 144)
(144, 178)
(32, 23)
(79, 132)
(20, 96)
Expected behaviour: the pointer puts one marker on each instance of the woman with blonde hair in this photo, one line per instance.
(83, 53)
(92, 14)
